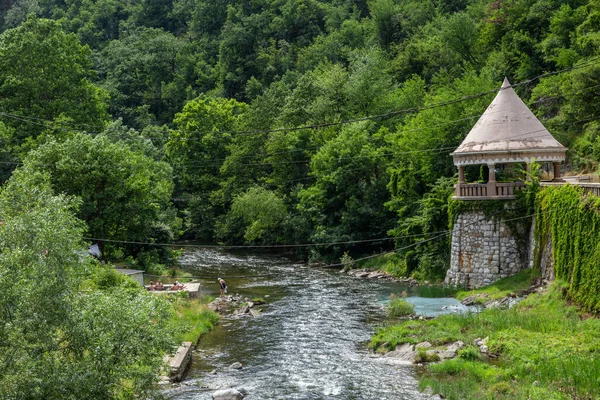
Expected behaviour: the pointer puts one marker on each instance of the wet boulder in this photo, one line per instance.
(219, 305)
(404, 352)
(229, 394)
(236, 365)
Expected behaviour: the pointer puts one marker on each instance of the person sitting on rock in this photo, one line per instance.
(222, 286)
(177, 286)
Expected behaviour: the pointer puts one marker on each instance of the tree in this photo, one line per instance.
(123, 192)
(420, 171)
(347, 200)
(59, 337)
(46, 83)
(387, 21)
(459, 34)
(19, 11)
(197, 150)
(142, 76)
(257, 214)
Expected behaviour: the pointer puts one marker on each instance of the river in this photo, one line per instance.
(309, 343)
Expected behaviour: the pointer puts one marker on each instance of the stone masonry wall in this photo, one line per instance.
(483, 251)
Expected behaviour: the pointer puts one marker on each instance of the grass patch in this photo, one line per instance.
(399, 307)
(192, 318)
(391, 263)
(544, 350)
(424, 357)
(502, 287)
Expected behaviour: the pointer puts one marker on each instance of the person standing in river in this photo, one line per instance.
(222, 286)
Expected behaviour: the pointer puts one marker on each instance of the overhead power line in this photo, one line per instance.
(446, 233)
(272, 246)
(587, 63)
(438, 236)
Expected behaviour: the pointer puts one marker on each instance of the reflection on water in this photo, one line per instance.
(310, 341)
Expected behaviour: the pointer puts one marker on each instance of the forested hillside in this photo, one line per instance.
(281, 121)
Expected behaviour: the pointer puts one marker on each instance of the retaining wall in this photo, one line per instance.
(484, 249)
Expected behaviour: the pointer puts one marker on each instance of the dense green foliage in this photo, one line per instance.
(571, 219)
(192, 319)
(544, 350)
(112, 181)
(69, 327)
(385, 90)
(265, 122)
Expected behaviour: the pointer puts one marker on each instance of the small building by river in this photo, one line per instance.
(134, 274)
(506, 140)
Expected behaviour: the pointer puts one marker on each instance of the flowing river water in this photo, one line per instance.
(309, 342)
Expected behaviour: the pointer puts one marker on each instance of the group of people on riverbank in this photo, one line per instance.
(158, 285)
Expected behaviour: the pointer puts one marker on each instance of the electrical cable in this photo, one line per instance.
(587, 63)
(443, 233)
(211, 246)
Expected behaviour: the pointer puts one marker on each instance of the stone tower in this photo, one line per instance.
(506, 135)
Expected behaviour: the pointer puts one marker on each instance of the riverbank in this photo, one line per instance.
(542, 348)
(192, 318)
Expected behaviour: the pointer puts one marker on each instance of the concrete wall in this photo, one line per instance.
(483, 251)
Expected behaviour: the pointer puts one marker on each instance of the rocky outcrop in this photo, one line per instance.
(508, 301)
(474, 299)
(236, 365)
(410, 353)
(220, 304)
(377, 274)
(403, 352)
(247, 308)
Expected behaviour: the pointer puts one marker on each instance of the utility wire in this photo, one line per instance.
(211, 246)
(589, 62)
(442, 234)
(426, 240)
(412, 109)
(201, 246)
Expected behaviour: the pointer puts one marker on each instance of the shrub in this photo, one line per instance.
(470, 353)
(424, 357)
(347, 261)
(399, 307)
(500, 388)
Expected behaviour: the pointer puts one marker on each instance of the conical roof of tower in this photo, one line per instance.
(508, 132)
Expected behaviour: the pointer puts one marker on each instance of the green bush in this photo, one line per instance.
(500, 388)
(399, 307)
(470, 353)
(107, 277)
(347, 261)
(424, 357)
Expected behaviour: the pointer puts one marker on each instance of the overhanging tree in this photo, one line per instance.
(58, 338)
(123, 192)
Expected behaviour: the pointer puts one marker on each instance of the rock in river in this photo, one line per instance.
(236, 365)
(229, 394)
